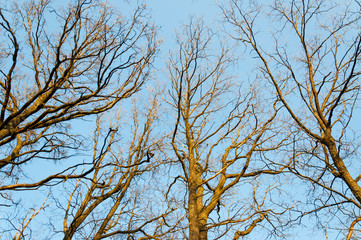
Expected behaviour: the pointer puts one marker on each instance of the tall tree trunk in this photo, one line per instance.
(203, 231)
(194, 230)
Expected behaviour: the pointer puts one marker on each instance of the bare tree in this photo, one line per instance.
(311, 59)
(75, 61)
(113, 200)
(221, 139)
(60, 63)
(118, 197)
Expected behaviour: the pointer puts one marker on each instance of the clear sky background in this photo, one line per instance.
(169, 15)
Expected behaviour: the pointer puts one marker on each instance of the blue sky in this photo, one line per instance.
(169, 15)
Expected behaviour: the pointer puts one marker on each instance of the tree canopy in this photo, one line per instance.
(249, 128)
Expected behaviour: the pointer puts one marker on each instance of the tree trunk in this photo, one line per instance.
(194, 230)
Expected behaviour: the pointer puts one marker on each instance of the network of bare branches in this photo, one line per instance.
(312, 62)
(245, 132)
(221, 140)
(60, 63)
(94, 59)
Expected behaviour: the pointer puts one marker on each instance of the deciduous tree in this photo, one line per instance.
(116, 199)
(60, 64)
(311, 58)
(220, 141)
